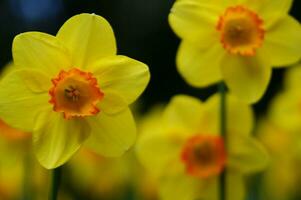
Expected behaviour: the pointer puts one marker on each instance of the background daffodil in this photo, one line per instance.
(285, 108)
(281, 134)
(237, 41)
(110, 178)
(186, 151)
(71, 88)
(281, 179)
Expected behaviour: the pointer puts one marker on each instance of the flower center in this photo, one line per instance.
(241, 31)
(75, 93)
(204, 155)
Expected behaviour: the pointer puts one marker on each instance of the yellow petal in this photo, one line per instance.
(195, 21)
(285, 110)
(56, 139)
(112, 135)
(40, 51)
(184, 113)
(275, 6)
(235, 186)
(246, 155)
(246, 77)
(200, 67)
(158, 152)
(239, 117)
(23, 94)
(8, 68)
(292, 78)
(120, 78)
(88, 37)
(179, 187)
(282, 43)
(269, 10)
(112, 103)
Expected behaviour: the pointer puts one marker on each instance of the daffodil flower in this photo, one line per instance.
(7, 131)
(186, 152)
(280, 180)
(237, 41)
(72, 88)
(285, 108)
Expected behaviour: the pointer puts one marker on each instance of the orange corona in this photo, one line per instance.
(75, 93)
(241, 31)
(204, 156)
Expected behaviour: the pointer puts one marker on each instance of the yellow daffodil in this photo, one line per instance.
(292, 79)
(281, 134)
(286, 106)
(71, 88)
(19, 139)
(281, 179)
(187, 153)
(237, 41)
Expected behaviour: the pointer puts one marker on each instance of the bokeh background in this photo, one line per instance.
(142, 32)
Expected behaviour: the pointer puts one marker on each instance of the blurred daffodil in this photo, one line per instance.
(237, 41)
(12, 146)
(292, 79)
(72, 88)
(185, 150)
(282, 178)
(110, 178)
(281, 134)
(286, 106)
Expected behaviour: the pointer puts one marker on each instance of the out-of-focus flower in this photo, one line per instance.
(281, 134)
(185, 150)
(12, 145)
(70, 88)
(286, 106)
(292, 78)
(113, 178)
(20, 174)
(237, 41)
(11, 174)
(282, 178)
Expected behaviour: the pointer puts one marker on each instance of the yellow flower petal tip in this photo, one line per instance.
(236, 42)
(71, 88)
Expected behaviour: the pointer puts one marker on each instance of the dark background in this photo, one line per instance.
(141, 30)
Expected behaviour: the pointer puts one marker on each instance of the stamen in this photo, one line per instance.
(75, 93)
(204, 155)
(241, 31)
(72, 93)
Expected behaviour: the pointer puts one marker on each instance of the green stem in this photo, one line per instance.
(27, 187)
(55, 184)
(222, 91)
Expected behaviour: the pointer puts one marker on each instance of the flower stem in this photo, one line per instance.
(27, 187)
(55, 184)
(222, 91)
